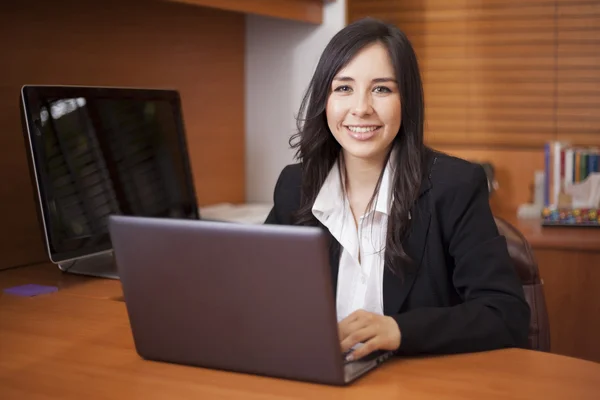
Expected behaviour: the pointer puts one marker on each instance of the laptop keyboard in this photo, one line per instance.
(379, 355)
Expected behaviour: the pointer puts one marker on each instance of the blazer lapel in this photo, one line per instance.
(395, 287)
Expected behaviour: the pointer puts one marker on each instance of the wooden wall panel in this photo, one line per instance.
(503, 72)
(299, 10)
(578, 85)
(198, 51)
(513, 167)
(501, 60)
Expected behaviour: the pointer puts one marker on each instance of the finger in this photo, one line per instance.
(351, 323)
(367, 348)
(352, 327)
(360, 336)
(343, 330)
(358, 314)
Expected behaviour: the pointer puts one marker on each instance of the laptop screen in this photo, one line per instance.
(99, 151)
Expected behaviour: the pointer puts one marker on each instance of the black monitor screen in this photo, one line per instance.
(101, 151)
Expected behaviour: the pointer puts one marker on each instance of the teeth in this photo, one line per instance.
(362, 129)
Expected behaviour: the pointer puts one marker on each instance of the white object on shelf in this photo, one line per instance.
(534, 211)
(585, 194)
(249, 213)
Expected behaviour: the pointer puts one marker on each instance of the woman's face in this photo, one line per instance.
(363, 109)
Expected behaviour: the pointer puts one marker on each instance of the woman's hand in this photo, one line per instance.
(376, 332)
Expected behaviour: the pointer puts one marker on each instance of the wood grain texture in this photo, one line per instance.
(537, 52)
(578, 83)
(514, 167)
(299, 10)
(198, 51)
(571, 285)
(61, 347)
(489, 44)
(68, 284)
(576, 239)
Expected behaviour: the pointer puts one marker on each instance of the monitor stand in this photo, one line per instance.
(101, 265)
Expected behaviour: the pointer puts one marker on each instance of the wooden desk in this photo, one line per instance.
(559, 237)
(68, 345)
(68, 284)
(569, 263)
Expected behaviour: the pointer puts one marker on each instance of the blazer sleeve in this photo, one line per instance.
(272, 218)
(286, 196)
(493, 313)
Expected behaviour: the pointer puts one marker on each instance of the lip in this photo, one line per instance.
(362, 136)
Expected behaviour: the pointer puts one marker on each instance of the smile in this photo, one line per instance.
(362, 129)
(362, 133)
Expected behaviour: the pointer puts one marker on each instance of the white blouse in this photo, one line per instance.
(360, 279)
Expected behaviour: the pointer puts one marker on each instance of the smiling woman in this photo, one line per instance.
(417, 262)
(363, 110)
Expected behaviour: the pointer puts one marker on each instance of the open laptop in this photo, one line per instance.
(249, 298)
(98, 151)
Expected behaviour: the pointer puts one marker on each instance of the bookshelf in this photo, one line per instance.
(571, 185)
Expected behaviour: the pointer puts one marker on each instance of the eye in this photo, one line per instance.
(343, 88)
(382, 89)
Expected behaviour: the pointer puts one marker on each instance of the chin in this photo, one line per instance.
(364, 151)
(370, 149)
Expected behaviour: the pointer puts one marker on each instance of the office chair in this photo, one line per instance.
(522, 256)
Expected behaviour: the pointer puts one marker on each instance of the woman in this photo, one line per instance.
(417, 263)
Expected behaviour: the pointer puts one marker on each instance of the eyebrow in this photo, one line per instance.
(376, 80)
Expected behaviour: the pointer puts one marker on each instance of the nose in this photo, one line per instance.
(362, 105)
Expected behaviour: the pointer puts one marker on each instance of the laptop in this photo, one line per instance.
(98, 151)
(255, 299)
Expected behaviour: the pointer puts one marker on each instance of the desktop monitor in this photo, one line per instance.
(97, 151)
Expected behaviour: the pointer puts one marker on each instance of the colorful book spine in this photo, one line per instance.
(577, 167)
(547, 161)
(564, 165)
(593, 162)
(583, 167)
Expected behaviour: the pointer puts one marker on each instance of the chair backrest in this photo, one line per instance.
(527, 268)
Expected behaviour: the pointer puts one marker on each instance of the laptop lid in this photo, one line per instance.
(248, 298)
(97, 151)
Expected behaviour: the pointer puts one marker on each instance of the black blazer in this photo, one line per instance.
(463, 293)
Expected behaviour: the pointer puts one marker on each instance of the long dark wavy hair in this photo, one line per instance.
(318, 150)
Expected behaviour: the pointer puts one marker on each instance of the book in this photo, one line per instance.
(564, 165)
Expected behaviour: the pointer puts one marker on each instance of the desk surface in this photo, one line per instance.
(558, 237)
(71, 345)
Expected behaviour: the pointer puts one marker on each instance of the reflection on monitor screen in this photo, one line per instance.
(105, 151)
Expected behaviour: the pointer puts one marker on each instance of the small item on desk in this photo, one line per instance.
(533, 210)
(578, 205)
(30, 290)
